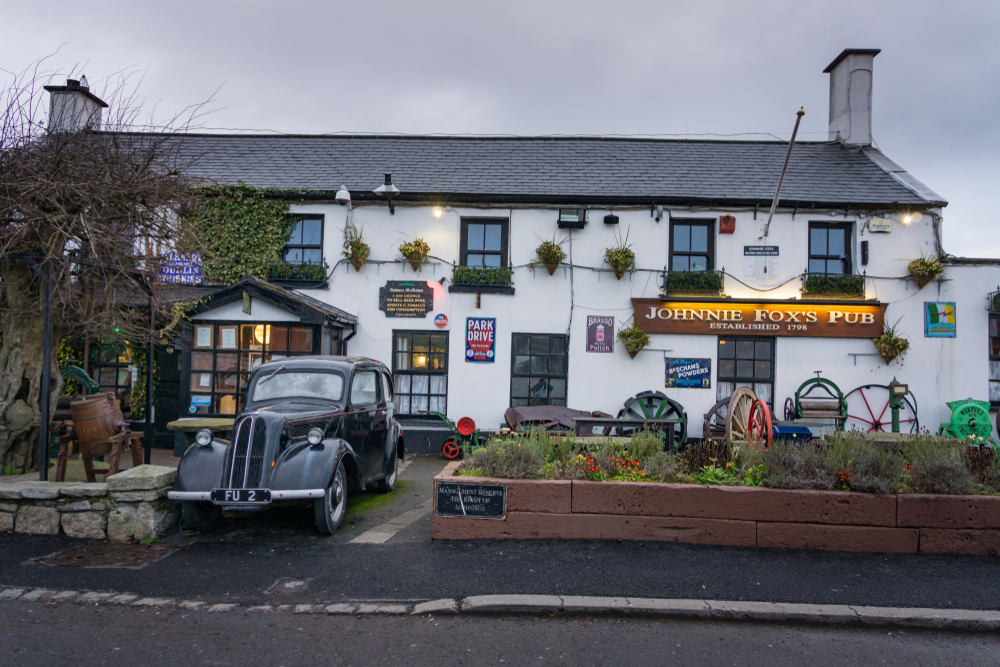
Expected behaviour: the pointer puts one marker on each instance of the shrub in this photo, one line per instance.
(793, 466)
(665, 467)
(706, 453)
(821, 283)
(937, 465)
(644, 445)
(692, 281)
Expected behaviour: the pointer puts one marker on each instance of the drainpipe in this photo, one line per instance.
(343, 343)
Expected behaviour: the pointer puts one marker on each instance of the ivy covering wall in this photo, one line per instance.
(243, 229)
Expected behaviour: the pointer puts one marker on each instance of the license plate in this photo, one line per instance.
(249, 496)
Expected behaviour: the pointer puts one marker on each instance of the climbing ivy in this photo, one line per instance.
(137, 394)
(242, 229)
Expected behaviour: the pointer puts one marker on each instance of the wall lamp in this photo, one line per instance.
(388, 190)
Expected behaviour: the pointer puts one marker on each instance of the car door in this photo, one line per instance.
(361, 417)
(380, 429)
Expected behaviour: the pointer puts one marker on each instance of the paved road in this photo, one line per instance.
(46, 635)
(384, 552)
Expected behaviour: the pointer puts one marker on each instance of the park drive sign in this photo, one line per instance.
(761, 318)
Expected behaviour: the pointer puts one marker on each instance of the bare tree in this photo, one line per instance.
(93, 194)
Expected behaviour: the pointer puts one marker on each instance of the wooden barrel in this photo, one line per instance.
(96, 417)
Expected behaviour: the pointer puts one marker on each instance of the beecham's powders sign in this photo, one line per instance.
(756, 318)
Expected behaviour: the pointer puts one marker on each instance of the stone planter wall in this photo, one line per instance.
(131, 505)
(739, 516)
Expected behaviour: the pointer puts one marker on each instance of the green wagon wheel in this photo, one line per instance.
(653, 405)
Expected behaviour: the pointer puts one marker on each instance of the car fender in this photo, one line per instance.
(397, 437)
(305, 466)
(201, 468)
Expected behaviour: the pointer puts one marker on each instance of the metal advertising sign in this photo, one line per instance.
(761, 262)
(480, 339)
(689, 373)
(405, 298)
(441, 321)
(880, 225)
(864, 319)
(939, 320)
(476, 501)
(600, 334)
(180, 270)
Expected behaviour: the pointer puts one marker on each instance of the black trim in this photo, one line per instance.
(278, 297)
(848, 258)
(479, 289)
(297, 218)
(504, 239)
(701, 222)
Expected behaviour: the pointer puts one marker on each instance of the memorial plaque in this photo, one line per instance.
(406, 298)
(476, 501)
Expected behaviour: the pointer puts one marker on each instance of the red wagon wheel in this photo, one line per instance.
(868, 410)
(759, 424)
(450, 450)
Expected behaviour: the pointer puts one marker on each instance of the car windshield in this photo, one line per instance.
(299, 384)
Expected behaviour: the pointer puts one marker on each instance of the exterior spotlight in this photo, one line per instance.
(388, 190)
(438, 212)
(907, 219)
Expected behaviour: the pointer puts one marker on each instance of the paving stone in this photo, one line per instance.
(143, 478)
(223, 607)
(780, 611)
(343, 608)
(443, 606)
(308, 608)
(153, 602)
(191, 604)
(125, 598)
(37, 520)
(582, 604)
(672, 608)
(513, 604)
(953, 619)
(382, 608)
(94, 597)
(36, 594)
(261, 608)
(85, 490)
(11, 593)
(283, 607)
(62, 596)
(86, 525)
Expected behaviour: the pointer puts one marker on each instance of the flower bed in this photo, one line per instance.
(630, 491)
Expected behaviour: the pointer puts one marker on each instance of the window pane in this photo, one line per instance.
(312, 232)
(995, 347)
(279, 339)
(474, 259)
(421, 343)
(420, 360)
(226, 362)
(312, 256)
(557, 365)
(539, 364)
(682, 238)
(557, 388)
(834, 266)
(837, 242)
(817, 266)
(295, 238)
(522, 345)
(744, 349)
(521, 364)
(519, 387)
(491, 260)
(438, 404)
(995, 391)
(404, 404)
(994, 323)
(293, 255)
(744, 369)
(762, 350)
(200, 382)
(699, 263)
(493, 237)
(681, 263)
(439, 343)
(727, 368)
(402, 384)
(727, 350)
(226, 382)
(225, 405)
(699, 238)
(300, 340)
(402, 361)
(248, 341)
(538, 387)
(402, 342)
(539, 344)
(995, 370)
(419, 404)
(439, 384)
(763, 391)
(363, 390)
(557, 345)
(438, 362)
(420, 384)
(817, 242)
(109, 355)
(476, 234)
(202, 361)
(762, 370)
(518, 402)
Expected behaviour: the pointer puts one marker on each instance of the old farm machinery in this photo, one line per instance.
(870, 409)
(970, 420)
(820, 399)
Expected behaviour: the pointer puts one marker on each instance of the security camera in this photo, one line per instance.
(343, 197)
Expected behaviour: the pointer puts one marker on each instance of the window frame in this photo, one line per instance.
(514, 374)
(735, 378)
(398, 372)
(848, 259)
(692, 222)
(296, 218)
(994, 358)
(504, 240)
(122, 391)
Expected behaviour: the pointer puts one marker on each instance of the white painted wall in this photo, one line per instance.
(937, 370)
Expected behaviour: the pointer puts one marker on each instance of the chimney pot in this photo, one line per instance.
(73, 107)
(851, 96)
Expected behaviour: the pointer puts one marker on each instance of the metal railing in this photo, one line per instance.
(994, 301)
(833, 284)
(699, 282)
(485, 276)
(280, 271)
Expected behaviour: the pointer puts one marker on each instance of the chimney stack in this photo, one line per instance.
(851, 96)
(73, 107)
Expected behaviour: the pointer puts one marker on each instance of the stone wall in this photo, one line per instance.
(131, 505)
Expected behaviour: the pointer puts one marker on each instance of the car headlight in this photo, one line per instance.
(204, 437)
(315, 436)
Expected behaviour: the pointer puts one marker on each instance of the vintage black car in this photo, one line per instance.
(313, 430)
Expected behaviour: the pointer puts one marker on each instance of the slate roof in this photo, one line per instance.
(559, 169)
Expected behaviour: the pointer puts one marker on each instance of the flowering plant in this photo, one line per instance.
(925, 269)
(634, 339)
(415, 251)
(356, 251)
(550, 254)
(620, 257)
(891, 345)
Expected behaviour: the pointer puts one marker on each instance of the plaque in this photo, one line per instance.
(406, 298)
(475, 501)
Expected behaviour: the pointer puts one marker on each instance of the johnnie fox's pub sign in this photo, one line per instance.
(760, 318)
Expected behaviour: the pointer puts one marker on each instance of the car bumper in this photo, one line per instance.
(300, 494)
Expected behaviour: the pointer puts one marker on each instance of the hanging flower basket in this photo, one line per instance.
(924, 270)
(415, 251)
(620, 257)
(634, 339)
(550, 254)
(356, 251)
(891, 345)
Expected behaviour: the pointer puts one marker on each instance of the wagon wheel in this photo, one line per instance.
(714, 426)
(738, 414)
(868, 410)
(789, 410)
(759, 425)
(653, 405)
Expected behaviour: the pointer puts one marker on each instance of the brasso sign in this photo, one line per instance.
(760, 318)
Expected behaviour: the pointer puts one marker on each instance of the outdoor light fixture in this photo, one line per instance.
(611, 219)
(572, 218)
(438, 211)
(388, 190)
(441, 282)
(907, 219)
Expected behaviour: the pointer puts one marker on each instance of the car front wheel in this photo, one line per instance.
(331, 508)
(199, 517)
(388, 483)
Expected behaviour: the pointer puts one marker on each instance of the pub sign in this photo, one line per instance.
(480, 339)
(689, 373)
(406, 298)
(600, 333)
(939, 319)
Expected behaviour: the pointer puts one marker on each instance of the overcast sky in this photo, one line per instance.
(616, 67)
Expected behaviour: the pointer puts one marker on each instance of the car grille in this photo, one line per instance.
(300, 429)
(246, 465)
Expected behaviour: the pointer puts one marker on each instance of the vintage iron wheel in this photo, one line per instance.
(738, 414)
(450, 450)
(759, 428)
(653, 405)
(868, 410)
